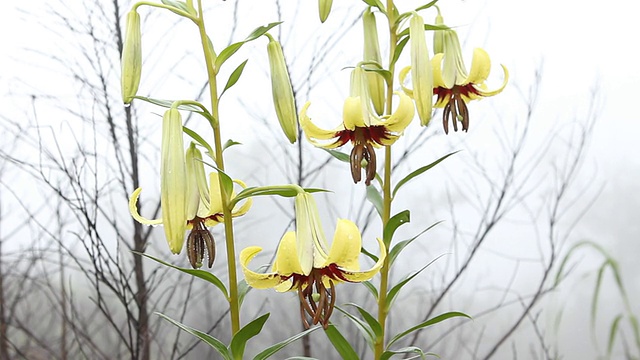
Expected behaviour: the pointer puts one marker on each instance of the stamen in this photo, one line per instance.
(317, 305)
(198, 240)
(456, 110)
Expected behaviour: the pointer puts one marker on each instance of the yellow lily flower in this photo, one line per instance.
(304, 264)
(454, 87)
(192, 203)
(362, 127)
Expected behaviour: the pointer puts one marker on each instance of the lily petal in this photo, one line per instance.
(287, 262)
(133, 208)
(436, 65)
(359, 276)
(254, 279)
(352, 113)
(485, 93)
(345, 249)
(480, 67)
(244, 208)
(314, 133)
(403, 115)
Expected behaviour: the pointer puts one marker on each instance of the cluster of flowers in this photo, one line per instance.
(304, 261)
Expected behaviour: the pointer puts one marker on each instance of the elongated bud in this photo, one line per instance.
(438, 35)
(282, 91)
(173, 181)
(324, 7)
(372, 53)
(421, 70)
(131, 58)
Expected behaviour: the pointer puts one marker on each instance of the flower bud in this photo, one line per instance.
(438, 35)
(173, 180)
(324, 7)
(421, 70)
(282, 91)
(131, 58)
(372, 53)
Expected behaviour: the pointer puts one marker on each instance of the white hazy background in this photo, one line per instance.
(582, 47)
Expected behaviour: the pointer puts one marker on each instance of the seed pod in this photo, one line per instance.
(131, 58)
(372, 53)
(324, 7)
(282, 91)
(421, 70)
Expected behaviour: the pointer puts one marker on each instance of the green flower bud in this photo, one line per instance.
(372, 53)
(324, 6)
(421, 70)
(131, 58)
(438, 36)
(282, 91)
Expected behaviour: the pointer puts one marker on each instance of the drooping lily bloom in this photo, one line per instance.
(304, 264)
(454, 86)
(361, 126)
(201, 204)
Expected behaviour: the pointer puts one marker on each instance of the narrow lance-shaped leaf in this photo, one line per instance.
(239, 340)
(341, 344)
(429, 322)
(418, 172)
(364, 328)
(395, 290)
(204, 275)
(231, 49)
(271, 350)
(373, 195)
(393, 224)
(234, 77)
(395, 251)
(208, 339)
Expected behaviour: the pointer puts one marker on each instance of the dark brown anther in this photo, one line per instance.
(200, 241)
(456, 110)
(355, 160)
(317, 305)
(370, 156)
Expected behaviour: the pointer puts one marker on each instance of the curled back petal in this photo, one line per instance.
(359, 276)
(244, 208)
(346, 245)
(403, 76)
(314, 133)
(482, 92)
(133, 208)
(401, 118)
(254, 279)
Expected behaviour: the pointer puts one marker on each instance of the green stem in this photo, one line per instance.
(379, 345)
(234, 304)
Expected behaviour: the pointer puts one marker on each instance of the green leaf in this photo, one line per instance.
(406, 350)
(393, 224)
(368, 254)
(202, 274)
(376, 3)
(271, 350)
(418, 172)
(338, 155)
(372, 288)
(395, 290)
(192, 106)
(364, 328)
(613, 331)
(374, 325)
(195, 136)
(426, 6)
(231, 49)
(210, 340)
(229, 144)
(341, 344)
(373, 195)
(395, 251)
(386, 74)
(243, 290)
(235, 75)
(427, 27)
(429, 322)
(176, 4)
(399, 48)
(239, 340)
